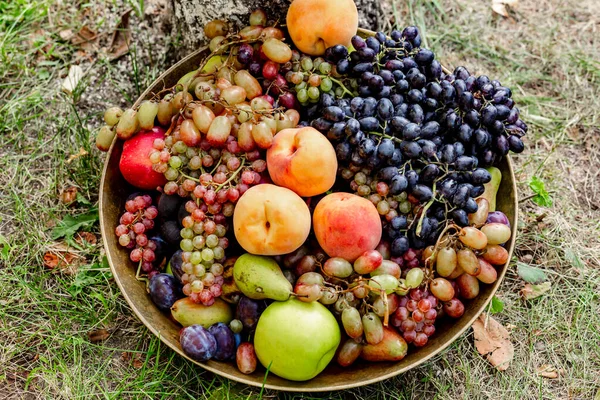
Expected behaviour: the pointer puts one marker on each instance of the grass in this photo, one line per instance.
(548, 53)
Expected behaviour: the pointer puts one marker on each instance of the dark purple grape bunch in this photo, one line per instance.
(482, 115)
(425, 134)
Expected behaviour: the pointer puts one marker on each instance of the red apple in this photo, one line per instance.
(135, 163)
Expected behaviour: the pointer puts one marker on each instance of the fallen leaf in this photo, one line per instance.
(72, 80)
(496, 306)
(137, 363)
(530, 291)
(119, 44)
(86, 39)
(66, 34)
(530, 274)
(18, 376)
(62, 258)
(492, 341)
(98, 335)
(547, 371)
(126, 356)
(73, 157)
(71, 224)
(68, 195)
(501, 7)
(88, 237)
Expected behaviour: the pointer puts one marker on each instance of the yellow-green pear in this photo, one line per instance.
(187, 313)
(259, 277)
(491, 188)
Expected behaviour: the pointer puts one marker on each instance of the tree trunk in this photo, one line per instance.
(190, 16)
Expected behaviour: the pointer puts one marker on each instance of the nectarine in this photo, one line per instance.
(271, 220)
(303, 160)
(315, 25)
(346, 225)
(135, 164)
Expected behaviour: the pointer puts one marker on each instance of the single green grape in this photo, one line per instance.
(405, 207)
(186, 245)
(326, 84)
(313, 93)
(306, 63)
(325, 68)
(187, 233)
(208, 254)
(302, 95)
(300, 86)
(212, 240)
(171, 174)
(175, 162)
(196, 258)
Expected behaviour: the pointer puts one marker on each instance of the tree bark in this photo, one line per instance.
(190, 16)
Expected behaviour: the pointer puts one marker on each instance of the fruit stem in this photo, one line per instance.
(140, 278)
(237, 171)
(189, 177)
(424, 211)
(337, 81)
(386, 314)
(395, 139)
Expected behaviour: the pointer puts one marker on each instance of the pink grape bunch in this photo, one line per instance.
(132, 231)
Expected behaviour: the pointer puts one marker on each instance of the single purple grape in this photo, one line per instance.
(499, 217)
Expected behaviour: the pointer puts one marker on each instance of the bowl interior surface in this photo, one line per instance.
(113, 192)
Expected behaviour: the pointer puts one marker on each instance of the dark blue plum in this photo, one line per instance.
(165, 290)
(198, 343)
(225, 341)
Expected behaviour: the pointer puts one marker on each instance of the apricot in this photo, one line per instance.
(315, 25)
(271, 220)
(346, 225)
(303, 160)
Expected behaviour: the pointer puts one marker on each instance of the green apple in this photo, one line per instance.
(296, 340)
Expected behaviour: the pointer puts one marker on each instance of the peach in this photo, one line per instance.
(346, 225)
(303, 160)
(271, 220)
(315, 25)
(135, 164)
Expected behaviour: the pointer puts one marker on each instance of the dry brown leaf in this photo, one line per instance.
(86, 39)
(66, 34)
(137, 363)
(88, 237)
(119, 44)
(73, 157)
(547, 371)
(492, 341)
(98, 335)
(530, 291)
(18, 376)
(61, 258)
(68, 195)
(501, 7)
(126, 356)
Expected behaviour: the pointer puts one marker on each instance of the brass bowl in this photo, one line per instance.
(113, 192)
